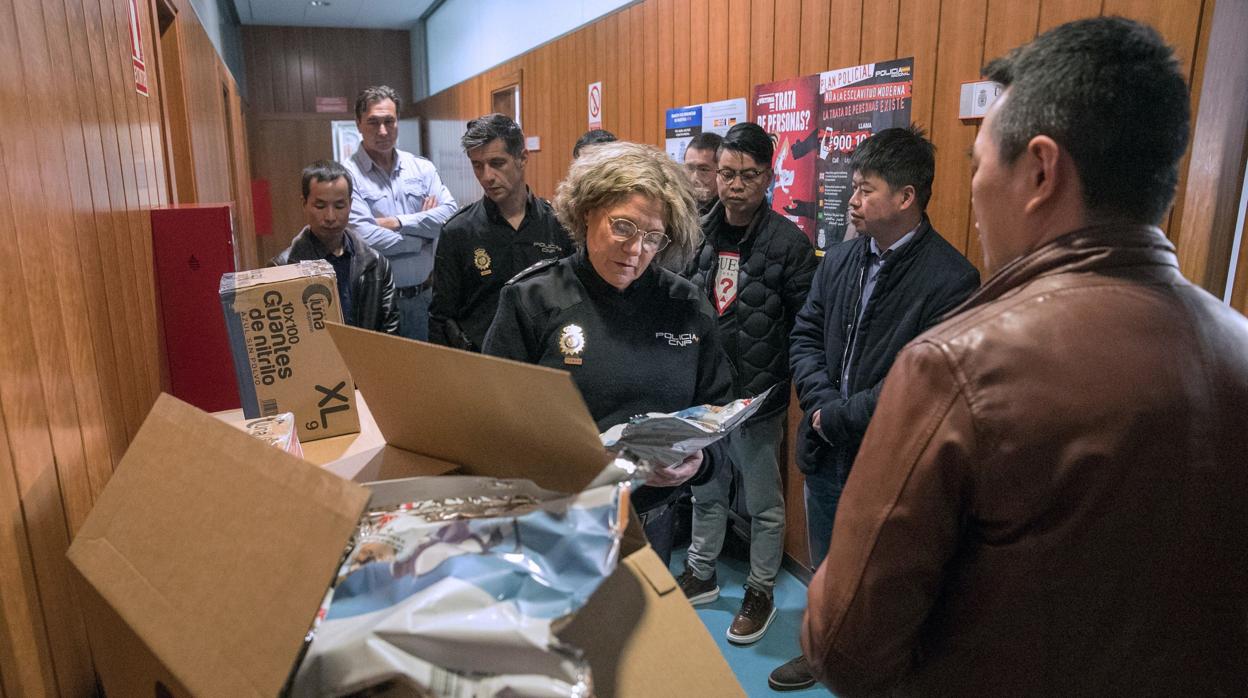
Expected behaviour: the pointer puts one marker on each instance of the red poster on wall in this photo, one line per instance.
(787, 112)
(136, 51)
(817, 121)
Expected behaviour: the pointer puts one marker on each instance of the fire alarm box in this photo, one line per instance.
(192, 246)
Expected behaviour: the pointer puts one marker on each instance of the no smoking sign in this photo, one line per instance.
(595, 105)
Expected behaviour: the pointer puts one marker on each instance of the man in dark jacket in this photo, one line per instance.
(870, 296)
(756, 267)
(484, 245)
(1050, 499)
(365, 283)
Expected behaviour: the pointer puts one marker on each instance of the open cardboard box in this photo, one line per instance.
(208, 554)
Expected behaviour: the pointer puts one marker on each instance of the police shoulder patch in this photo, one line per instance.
(532, 269)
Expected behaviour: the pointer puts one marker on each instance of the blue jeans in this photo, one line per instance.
(659, 525)
(823, 494)
(753, 450)
(414, 315)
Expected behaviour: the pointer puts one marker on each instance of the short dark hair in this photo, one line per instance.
(1110, 92)
(486, 128)
(592, 137)
(902, 156)
(707, 140)
(749, 138)
(372, 95)
(325, 171)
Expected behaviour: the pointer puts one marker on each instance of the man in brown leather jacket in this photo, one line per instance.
(1050, 498)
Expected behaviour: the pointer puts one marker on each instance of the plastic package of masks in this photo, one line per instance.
(456, 586)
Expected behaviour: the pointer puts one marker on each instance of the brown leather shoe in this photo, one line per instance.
(793, 675)
(698, 591)
(757, 612)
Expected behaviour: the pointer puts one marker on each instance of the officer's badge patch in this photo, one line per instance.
(571, 344)
(481, 258)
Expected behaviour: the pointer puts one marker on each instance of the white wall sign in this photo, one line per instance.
(976, 97)
(595, 105)
(136, 51)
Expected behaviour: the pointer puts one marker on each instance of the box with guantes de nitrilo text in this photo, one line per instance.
(284, 359)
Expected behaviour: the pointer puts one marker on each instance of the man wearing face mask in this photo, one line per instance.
(700, 157)
(755, 266)
(487, 243)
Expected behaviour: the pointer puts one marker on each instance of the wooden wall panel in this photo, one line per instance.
(879, 31)
(287, 69)
(787, 52)
(762, 31)
(83, 161)
(113, 230)
(637, 75)
(814, 36)
(609, 69)
(681, 67)
(845, 34)
(699, 33)
(918, 35)
(1206, 222)
(649, 128)
(36, 396)
(666, 37)
(1055, 12)
(1178, 21)
(149, 192)
(132, 222)
(1009, 24)
(959, 59)
(93, 226)
(718, 43)
(740, 50)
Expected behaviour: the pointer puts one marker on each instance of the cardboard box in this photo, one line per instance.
(209, 552)
(284, 359)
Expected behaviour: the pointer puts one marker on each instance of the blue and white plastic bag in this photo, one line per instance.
(460, 593)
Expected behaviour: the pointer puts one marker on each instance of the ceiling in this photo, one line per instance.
(356, 14)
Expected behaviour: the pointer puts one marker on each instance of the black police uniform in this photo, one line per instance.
(479, 252)
(653, 347)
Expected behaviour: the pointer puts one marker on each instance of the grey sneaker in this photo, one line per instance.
(757, 612)
(698, 591)
(793, 675)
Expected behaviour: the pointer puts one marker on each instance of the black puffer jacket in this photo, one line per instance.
(372, 284)
(777, 263)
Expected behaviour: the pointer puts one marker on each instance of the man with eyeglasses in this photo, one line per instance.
(399, 205)
(755, 266)
(700, 157)
(488, 242)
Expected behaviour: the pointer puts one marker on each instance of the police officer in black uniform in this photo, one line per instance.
(485, 244)
(635, 336)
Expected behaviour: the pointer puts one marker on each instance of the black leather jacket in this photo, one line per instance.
(372, 284)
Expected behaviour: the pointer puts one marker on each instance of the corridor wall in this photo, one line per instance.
(82, 160)
(288, 68)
